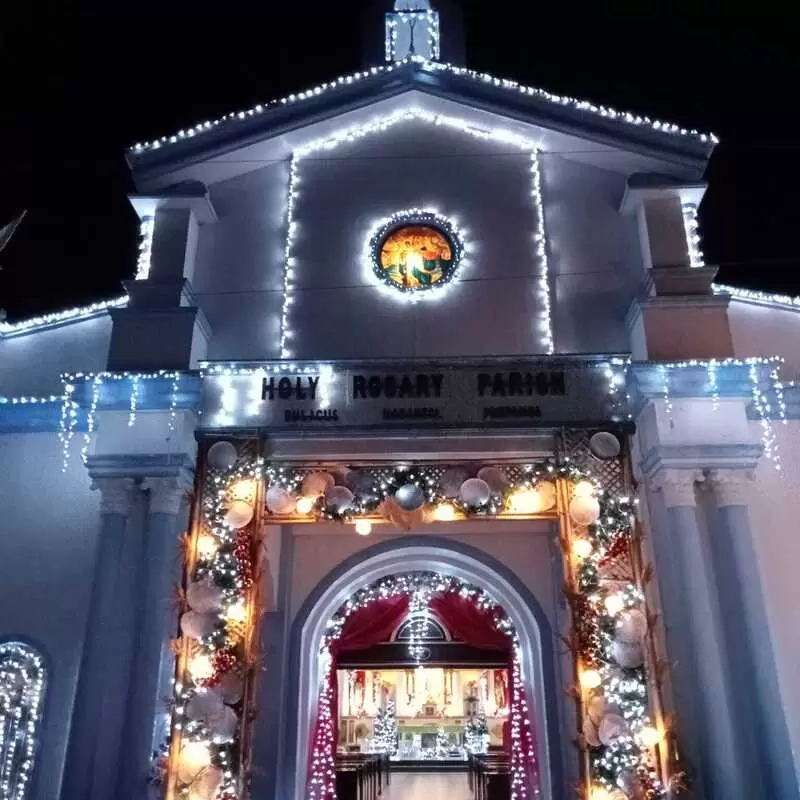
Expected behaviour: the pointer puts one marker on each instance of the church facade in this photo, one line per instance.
(415, 333)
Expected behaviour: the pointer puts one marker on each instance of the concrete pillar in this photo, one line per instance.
(153, 663)
(761, 717)
(99, 712)
(705, 702)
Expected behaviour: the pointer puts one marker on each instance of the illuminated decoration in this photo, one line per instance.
(605, 112)
(322, 773)
(415, 251)
(77, 314)
(690, 225)
(22, 686)
(500, 135)
(403, 37)
(146, 229)
(209, 715)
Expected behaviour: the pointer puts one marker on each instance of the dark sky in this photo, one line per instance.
(80, 83)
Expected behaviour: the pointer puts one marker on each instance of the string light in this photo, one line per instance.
(22, 686)
(690, 226)
(412, 18)
(134, 401)
(753, 296)
(413, 113)
(78, 314)
(90, 419)
(606, 112)
(146, 229)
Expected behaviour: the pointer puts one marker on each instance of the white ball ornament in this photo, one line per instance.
(231, 688)
(223, 726)
(629, 656)
(475, 492)
(611, 728)
(239, 514)
(494, 477)
(409, 497)
(339, 498)
(584, 510)
(279, 500)
(205, 706)
(547, 494)
(207, 784)
(631, 626)
(340, 476)
(203, 596)
(197, 625)
(194, 758)
(317, 483)
(451, 480)
(222, 456)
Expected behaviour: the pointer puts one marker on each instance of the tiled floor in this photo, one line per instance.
(427, 786)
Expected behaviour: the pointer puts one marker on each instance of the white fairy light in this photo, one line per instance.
(762, 407)
(605, 112)
(664, 369)
(90, 419)
(173, 401)
(760, 298)
(146, 229)
(134, 400)
(393, 20)
(377, 125)
(77, 314)
(690, 225)
(712, 379)
(22, 686)
(66, 427)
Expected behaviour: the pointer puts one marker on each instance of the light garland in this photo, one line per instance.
(605, 112)
(77, 314)
(761, 298)
(143, 262)
(412, 18)
(380, 124)
(690, 225)
(22, 687)
(322, 774)
(411, 216)
(208, 714)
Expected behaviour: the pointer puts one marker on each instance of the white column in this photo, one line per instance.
(751, 653)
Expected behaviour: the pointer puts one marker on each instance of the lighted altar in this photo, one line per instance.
(428, 713)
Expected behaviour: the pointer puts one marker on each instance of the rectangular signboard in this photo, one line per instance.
(546, 392)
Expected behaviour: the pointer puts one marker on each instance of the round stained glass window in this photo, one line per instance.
(416, 253)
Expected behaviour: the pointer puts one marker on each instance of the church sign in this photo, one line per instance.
(497, 394)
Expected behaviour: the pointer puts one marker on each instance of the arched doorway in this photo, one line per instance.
(423, 553)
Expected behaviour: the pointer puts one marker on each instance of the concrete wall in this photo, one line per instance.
(48, 527)
(492, 309)
(759, 330)
(31, 364)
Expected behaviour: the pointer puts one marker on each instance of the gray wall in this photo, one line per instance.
(48, 528)
(491, 310)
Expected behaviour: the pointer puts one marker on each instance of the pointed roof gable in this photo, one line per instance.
(508, 98)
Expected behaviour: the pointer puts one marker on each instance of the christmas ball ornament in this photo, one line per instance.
(475, 492)
(196, 625)
(279, 500)
(451, 480)
(206, 784)
(359, 483)
(611, 728)
(590, 732)
(317, 483)
(339, 499)
(239, 514)
(194, 757)
(339, 475)
(525, 501)
(221, 456)
(305, 504)
(223, 725)
(494, 477)
(204, 706)
(584, 510)
(629, 656)
(596, 708)
(547, 494)
(409, 497)
(203, 596)
(583, 489)
(631, 626)
(604, 446)
(231, 688)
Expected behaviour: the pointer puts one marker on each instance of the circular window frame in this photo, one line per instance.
(407, 219)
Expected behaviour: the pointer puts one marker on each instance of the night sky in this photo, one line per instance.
(80, 84)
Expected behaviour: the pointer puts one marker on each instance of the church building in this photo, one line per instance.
(421, 447)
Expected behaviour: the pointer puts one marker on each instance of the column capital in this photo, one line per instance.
(116, 494)
(167, 494)
(731, 486)
(677, 485)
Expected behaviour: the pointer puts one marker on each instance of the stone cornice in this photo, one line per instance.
(702, 457)
(175, 466)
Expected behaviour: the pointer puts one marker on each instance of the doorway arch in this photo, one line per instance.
(421, 553)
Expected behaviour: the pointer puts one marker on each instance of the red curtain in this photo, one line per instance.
(467, 622)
